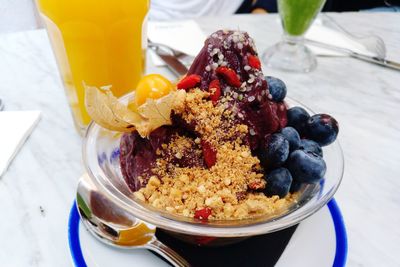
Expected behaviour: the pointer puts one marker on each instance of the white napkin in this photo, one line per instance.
(184, 35)
(319, 32)
(16, 126)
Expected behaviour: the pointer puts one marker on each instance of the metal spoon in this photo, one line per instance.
(115, 227)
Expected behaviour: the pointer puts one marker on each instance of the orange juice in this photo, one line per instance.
(96, 42)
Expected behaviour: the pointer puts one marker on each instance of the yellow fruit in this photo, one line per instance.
(152, 86)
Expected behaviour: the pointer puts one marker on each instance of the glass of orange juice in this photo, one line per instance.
(98, 43)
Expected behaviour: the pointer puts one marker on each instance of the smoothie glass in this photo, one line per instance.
(291, 54)
(98, 43)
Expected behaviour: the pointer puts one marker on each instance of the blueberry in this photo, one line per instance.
(277, 88)
(278, 182)
(322, 128)
(297, 118)
(292, 136)
(295, 186)
(275, 152)
(311, 146)
(306, 167)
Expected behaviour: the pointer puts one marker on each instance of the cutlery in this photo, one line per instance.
(372, 59)
(185, 58)
(372, 43)
(173, 59)
(113, 226)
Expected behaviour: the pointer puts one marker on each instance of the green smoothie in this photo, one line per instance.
(297, 15)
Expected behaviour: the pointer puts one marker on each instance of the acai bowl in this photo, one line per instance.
(280, 192)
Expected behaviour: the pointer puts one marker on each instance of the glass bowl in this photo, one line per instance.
(101, 160)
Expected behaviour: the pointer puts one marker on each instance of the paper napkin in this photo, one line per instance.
(185, 36)
(16, 126)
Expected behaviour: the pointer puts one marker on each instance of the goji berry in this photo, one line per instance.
(214, 84)
(202, 214)
(209, 154)
(229, 76)
(254, 62)
(189, 82)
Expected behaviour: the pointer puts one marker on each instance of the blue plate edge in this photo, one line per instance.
(340, 233)
(73, 237)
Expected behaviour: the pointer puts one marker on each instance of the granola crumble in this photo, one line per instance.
(232, 188)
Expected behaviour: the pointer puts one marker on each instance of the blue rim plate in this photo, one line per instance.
(297, 248)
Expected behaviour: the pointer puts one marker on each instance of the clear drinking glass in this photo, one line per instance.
(98, 43)
(290, 53)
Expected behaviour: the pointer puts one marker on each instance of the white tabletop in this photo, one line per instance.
(37, 191)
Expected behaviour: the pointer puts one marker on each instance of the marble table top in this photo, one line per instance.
(37, 191)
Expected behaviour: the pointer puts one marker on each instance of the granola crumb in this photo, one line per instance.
(232, 188)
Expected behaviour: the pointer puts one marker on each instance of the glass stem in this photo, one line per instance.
(293, 40)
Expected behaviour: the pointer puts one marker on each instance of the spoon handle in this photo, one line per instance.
(169, 254)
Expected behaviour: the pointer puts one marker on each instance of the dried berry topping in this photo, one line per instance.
(241, 195)
(189, 82)
(254, 62)
(257, 185)
(215, 90)
(202, 214)
(229, 76)
(209, 153)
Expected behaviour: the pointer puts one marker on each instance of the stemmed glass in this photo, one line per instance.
(290, 53)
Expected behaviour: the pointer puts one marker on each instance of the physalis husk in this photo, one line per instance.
(105, 109)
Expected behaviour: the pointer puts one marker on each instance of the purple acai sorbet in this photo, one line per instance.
(250, 102)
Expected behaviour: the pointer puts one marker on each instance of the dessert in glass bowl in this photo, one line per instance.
(221, 147)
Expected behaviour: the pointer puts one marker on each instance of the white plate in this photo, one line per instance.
(318, 241)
